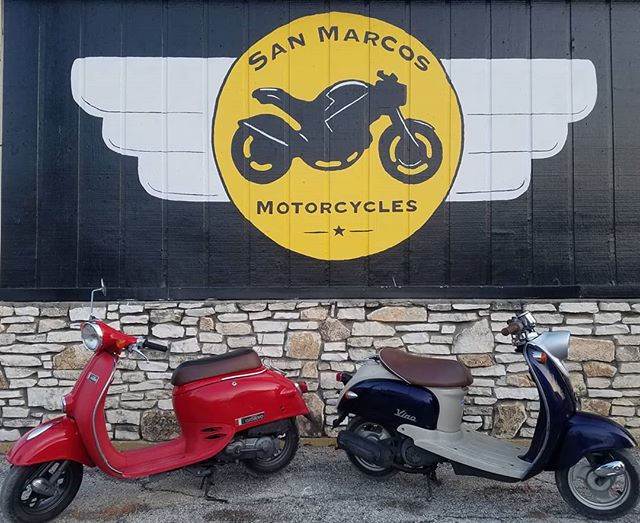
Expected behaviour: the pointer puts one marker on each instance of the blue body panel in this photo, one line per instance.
(557, 406)
(392, 403)
(586, 433)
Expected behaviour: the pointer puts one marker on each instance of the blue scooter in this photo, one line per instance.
(406, 415)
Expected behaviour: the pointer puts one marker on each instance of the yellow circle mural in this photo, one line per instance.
(337, 135)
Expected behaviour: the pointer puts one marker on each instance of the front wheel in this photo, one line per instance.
(286, 448)
(38, 493)
(601, 497)
(411, 151)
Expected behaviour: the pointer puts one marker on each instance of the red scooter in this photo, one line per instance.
(229, 408)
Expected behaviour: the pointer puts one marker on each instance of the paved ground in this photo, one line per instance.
(319, 486)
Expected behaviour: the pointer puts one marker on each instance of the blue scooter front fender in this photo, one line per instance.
(586, 433)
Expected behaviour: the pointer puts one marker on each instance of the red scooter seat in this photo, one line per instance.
(234, 361)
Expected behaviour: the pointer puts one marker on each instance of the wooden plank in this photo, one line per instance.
(100, 169)
(511, 254)
(304, 269)
(143, 247)
(391, 266)
(228, 232)
(270, 263)
(593, 204)
(58, 148)
(186, 235)
(625, 42)
(470, 222)
(429, 246)
(552, 178)
(19, 155)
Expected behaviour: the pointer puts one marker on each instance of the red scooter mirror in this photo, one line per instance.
(103, 290)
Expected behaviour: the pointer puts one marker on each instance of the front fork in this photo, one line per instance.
(400, 123)
(48, 487)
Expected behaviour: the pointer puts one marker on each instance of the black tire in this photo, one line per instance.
(580, 503)
(20, 504)
(426, 160)
(360, 425)
(258, 158)
(289, 440)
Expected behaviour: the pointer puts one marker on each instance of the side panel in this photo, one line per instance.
(237, 402)
(586, 433)
(60, 441)
(557, 403)
(392, 403)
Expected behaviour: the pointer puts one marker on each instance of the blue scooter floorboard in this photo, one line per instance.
(473, 449)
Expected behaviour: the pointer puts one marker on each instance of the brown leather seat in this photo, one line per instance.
(234, 361)
(426, 372)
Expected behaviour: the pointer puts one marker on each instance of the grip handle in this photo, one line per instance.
(153, 345)
(515, 327)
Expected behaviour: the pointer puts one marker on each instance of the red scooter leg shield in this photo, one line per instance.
(55, 440)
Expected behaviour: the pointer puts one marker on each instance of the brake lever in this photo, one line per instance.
(134, 348)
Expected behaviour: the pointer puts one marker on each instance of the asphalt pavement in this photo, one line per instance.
(320, 485)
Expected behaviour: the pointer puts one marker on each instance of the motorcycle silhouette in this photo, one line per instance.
(333, 133)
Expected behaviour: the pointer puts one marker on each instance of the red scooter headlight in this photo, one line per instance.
(91, 336)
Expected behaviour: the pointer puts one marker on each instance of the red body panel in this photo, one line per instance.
(210, 413)
(60, 441)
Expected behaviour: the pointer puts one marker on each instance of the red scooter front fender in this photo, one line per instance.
(55, 440)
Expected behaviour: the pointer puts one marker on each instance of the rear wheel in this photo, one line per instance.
(286, 448)
(38, 493)
(601, 497)
(259, 156)
(376, 432)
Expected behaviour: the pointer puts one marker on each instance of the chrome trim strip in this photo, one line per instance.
(34, 433)
(93, 418)
(244, 375)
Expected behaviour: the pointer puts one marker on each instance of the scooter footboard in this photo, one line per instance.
(55, 440)
(587, 433)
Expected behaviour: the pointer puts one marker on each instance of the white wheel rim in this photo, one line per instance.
(597, 493)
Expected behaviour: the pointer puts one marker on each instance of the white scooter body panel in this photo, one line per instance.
(471, 448)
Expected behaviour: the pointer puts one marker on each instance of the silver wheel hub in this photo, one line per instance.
(603, 487)
(43, 487)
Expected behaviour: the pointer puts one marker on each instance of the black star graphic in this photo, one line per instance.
(339, 231)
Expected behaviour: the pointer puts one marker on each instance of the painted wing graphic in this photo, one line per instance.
(160, 110)
(515, 111)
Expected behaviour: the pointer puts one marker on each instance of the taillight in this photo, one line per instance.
(343, 377)
(301, 386)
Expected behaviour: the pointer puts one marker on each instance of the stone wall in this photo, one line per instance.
(41, 355)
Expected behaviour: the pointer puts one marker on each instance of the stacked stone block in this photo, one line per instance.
(41, 355)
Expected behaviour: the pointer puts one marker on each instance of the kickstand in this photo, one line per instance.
(432, 479)
(207, 486)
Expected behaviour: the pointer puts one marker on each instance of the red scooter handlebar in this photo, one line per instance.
(155, 346)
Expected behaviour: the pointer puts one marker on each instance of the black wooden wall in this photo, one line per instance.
(73, 211)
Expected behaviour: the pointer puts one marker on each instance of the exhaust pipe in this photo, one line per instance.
(369, 450)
